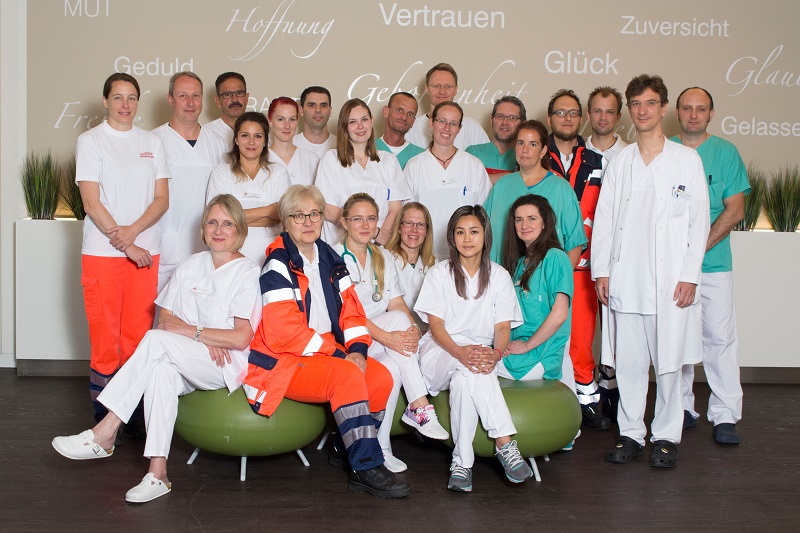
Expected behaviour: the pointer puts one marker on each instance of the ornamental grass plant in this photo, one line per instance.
(70, 193)
(782, 199)
(41, 183)
(753, 201)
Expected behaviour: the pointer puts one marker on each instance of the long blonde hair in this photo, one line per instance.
(426, 250)
(378, 266)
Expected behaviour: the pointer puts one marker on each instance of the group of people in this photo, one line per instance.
(429, 259)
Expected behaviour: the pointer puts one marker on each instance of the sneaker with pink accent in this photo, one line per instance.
(424, 419)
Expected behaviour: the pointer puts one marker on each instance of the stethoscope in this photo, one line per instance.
(376, 296)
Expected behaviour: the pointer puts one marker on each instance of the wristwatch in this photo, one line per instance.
(197, 333)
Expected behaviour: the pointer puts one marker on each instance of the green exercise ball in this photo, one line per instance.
(545, 412)
(220, 423)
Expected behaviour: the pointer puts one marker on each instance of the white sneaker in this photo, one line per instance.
(80, 447)
(424, 419)
(149, 489)
(393, 464)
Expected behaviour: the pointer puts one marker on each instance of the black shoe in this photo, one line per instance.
(609, 403)
(593, 418)
(688, 420)
(726, 434)
(379, 482)
(337, 458)
(134, 430)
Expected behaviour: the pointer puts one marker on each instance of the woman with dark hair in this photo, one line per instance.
(470, 305)
(208, 313)
(534, 177)
(121, 171)
(543, 283)
(301, 164)
(254, 180)
(411, 245)
(395, 335)
(444, 178)
(312, 343)
(357, 166)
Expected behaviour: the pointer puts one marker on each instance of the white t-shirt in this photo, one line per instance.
(223, 130)
(469, 321)
(609, 154)
(264, 190)
(442, 191)
(383, 180)
(302, 167)
(318, 318)
(189, 167)
(470, 133)
(126, 165)
(366, 283)
(300, 141)
(201, 295)
(411, 278)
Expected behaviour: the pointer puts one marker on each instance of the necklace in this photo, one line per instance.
(444, 161)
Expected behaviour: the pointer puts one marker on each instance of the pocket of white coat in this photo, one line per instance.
(678, 205)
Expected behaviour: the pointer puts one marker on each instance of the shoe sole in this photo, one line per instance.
(81, 458)
(459, 489)
(358, 487)
(421, 429)
(129, 500)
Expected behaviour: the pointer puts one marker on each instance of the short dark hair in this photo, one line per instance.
(678, 101)
(400, 93)
(225, 76)
(642, 82)
(120, 76)
(558, 94)
(508, 99)
(314, 89)
(605, 91)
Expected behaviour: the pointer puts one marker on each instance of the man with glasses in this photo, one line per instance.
(441, 84)
(400, 114)
(231, 99)
(315, 108)
(650, 235)
(499, 156)
(192, 153)
(727, 185)
(583, 168)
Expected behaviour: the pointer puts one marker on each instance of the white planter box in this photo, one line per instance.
(50, 319)
(767, 293)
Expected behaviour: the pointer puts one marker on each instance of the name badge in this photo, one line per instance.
(201, 290)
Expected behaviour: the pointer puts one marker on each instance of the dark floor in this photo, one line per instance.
(751, 487)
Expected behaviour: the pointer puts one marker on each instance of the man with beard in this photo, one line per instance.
(727, 185)
(231, 99)
(583, 168)
(499, 156)
(315, 108)
(605, 110)
(400, 114)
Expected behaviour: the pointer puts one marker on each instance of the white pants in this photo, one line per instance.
(537, 372)
(163, 367)
(636, 345)
(720, 352)
(404, 369)
(472, 396)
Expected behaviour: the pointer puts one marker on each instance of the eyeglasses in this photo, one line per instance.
(574, 113)
(227, 95)
(445, 122)
(510, 118)
(439, 87)
(300, 218)
(372, 219)
(226, 224)
(650, 104)
(422, 226)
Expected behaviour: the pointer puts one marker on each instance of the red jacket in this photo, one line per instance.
(283, 337)
(584, 176)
